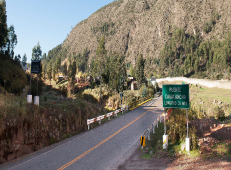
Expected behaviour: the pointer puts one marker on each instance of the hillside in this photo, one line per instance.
(145, 26)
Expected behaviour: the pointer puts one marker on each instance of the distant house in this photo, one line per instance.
(153, 81)
(132, 83)
(62, 77)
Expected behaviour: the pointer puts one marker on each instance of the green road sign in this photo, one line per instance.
(176, 96)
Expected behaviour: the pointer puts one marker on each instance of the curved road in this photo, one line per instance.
(97, 149)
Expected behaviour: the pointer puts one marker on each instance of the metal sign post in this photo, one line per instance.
(164, 124)
(35, 68)
(176, 96)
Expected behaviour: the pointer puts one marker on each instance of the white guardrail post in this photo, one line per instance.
(153, 128)
(148, 134)
(157, 122)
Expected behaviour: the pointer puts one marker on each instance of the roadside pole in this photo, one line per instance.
(165, 136)
(187, 139)
(121, 95)
(29, 96)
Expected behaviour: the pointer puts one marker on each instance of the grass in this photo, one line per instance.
(219, 150)
(201, 99)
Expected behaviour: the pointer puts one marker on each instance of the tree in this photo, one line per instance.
(17, 58)
(3, 25)
(140, 69)
(100, 52)
(55, 70)
(58, 61)
(11, 41)
(65, 69)
(44, 56)
(36, 52)
(71, 75)
(28, 66)
(132, 72)
(49, 72)
(24, 60)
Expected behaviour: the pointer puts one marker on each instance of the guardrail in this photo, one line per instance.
(108, 115)
(130, 106)
(139, 102)
(152, 127)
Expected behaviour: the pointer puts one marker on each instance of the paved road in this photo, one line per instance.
(97, 149)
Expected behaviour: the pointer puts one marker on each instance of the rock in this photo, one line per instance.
(201, 126)
(219, 103)
(200, 141)
(183, 146)
(17, 147)
(214, 101)
(50, 135)
(60, 116)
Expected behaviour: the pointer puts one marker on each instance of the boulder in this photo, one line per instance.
(60, 116)
(183, 146)
(214, 101)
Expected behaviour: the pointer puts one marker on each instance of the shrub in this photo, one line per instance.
(177, 128)
(12, 76)
(219, 114)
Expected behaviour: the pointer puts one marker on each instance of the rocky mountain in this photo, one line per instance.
(134, 26)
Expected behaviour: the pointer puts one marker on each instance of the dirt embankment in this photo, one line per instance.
(211, 133)
(25, 131)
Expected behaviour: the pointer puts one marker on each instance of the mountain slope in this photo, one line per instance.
(133, 26)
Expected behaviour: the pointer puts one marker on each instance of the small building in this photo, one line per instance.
(132, 83)
(62, 77)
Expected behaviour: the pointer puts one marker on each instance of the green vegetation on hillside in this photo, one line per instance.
(186, 55)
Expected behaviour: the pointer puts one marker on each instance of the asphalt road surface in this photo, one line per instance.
(100, 148)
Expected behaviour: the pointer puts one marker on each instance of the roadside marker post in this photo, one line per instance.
(176, 96)
(142, 141)
(157, 123)
(153, 128)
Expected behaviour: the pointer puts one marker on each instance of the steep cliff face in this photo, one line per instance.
(133, 26)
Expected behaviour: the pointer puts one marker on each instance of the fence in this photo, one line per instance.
(108, 115)
(147, 133)
(129, 106)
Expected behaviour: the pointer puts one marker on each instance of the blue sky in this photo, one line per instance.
(46, 21)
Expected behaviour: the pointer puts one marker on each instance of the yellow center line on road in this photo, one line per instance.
(105, 140)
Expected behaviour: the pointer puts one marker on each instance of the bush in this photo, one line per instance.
(12, 76)
(219, 114)
(177, 128)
